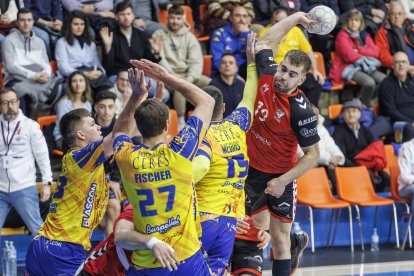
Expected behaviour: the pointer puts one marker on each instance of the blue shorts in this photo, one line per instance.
(49, 257)
(195, 265)
(218, 240)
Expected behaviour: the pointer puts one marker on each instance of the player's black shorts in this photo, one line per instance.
(247, 258)
(282, 208)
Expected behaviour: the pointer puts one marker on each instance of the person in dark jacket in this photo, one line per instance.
(126, 43)
(352, 138)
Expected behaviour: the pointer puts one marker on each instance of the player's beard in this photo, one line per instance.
(280, 87)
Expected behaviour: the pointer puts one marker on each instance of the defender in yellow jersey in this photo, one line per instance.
(79, 202)
(220, 170)
(158, 177)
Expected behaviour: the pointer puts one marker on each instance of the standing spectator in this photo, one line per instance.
(295, 40)
(357, 57)
(78, 95)
(230, 86)
(27, 69)
(48, 19)
(7, 18)
(396, 95)
(126, 43)
(122, 90)
(353, 138)
(25, 143)
(181, 55)
(406, 178)
(396, 35)
(232, 39)
(408, 8)
(374, 12)
(76, 51)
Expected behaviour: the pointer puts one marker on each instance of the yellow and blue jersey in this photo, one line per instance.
(221, 191)
(159, 185)
(80, 201)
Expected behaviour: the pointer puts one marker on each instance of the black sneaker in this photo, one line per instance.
(296, 252)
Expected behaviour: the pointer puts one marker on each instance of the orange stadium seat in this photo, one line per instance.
(46, 121)
(334, 110)
(173, 124)
(207, 59)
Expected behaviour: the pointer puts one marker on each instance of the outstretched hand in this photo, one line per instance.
(137, 81)
(150, 69)
(305, 20)
(159, 91)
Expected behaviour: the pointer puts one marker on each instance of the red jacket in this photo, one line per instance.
(348, 50)
(372, 156)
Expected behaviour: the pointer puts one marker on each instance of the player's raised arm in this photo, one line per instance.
(203, 103)
(272, 37)
(126, 123)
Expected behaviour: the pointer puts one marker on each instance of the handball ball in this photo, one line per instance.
(326, 20)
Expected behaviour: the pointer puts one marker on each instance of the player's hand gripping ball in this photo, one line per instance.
(326, 20)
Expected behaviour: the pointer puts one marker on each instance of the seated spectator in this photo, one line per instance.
(100, 13)
(218, 13)
(373, 11)
(231, 39)
(353, 138)
(76, 51)
(357, 57)
(78, 95)
(146, 14)
(296, 40)
(104, 108)
(408, 8)
(7, 18)
(181, 55)
(395, 36)
(230, 86)
(27, 69)
(48, 19)
(396, 95)
(122, 90)
(406, 178)
(126, 43)
(264, 8)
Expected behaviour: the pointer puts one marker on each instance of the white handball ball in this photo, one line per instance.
(326, 20)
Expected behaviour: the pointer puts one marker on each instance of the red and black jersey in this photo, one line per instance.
(281, 121)
(104, 259)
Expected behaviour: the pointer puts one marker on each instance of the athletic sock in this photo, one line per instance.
(281, 267)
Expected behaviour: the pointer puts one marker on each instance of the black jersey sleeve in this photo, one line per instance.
(265, 63)
(303, 120)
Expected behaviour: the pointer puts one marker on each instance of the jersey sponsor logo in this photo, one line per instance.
(301, 101)
(163, 228)
(54, 243)
(308, 120)
(237, 185)
(309, 132)
(271, 59)
(264, 88)
(279, 114)
(284, 206)
(88, 206)
(256, 259)
(261, 138)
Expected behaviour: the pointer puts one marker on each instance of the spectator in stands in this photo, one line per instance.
(357, 57)
(396, 95)
(181, 55)
(296, 40)
(264, 8)
(396, 35)
(406, 178)
(218, 13)
(7, 18)
(126, 43)
(48, 19)
(374, 12)
(122, 90)
(232, 39)
(76, 51)
(353, 138)
(100, 13)
(230, 86)
(104, 108)
(25, 144)
(408, 8)
(78, 95)
(146, 14)
(26, 65)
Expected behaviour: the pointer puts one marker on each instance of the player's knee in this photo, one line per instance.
(281, 245)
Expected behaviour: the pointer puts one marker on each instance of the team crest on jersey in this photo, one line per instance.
(279, 114)
(264, 88)
(188, 133)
